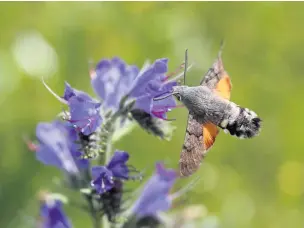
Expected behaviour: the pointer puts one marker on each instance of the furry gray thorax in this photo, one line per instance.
(203, 103)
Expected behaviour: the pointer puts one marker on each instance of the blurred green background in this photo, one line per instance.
(245, 183)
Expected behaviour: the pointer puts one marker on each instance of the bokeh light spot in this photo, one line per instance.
(34, 55)
(291, 179)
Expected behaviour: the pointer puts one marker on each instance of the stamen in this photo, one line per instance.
(137, 176)
(179, 106)
(30, 145)
(92, 71)
(130, 166)
(53, 93)
(90, 120)
(102, 184)
(158, 115)
(92, 74)
(180, 74)
(92, 183)
(67, 115)
(176, 71)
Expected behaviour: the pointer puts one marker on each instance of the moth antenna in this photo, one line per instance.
(53, 93)
(221, 48)
(163, 97)
(186, 65)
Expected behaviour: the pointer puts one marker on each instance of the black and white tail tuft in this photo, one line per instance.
(242, 123)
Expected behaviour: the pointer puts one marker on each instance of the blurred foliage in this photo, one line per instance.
(246, 183)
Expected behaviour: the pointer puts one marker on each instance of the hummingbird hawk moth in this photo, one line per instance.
(210, 108)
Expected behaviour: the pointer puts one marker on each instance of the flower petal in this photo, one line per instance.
(75, 148)
(155, 195)
(144, 103)
(102, 179)
(53, 215)
(168, 175)
(85, 114)
(155, 71)
(152, 83)
(54, 146)
(47, 156)
(58, 146)
(70, 92)
(97, 170)
(112, 81)
(118, 166)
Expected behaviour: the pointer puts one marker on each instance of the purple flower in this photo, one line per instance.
(150, 83)
(111, 80)
(161, 107)
(52, 215)
(155, 196)
(114, 79)
(103, 176)
(102, 179)
(84, 111)
(118, 165)
(57, 146)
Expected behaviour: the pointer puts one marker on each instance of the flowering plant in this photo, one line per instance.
(79, 142)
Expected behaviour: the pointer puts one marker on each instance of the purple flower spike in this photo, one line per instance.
(52, 215)
(111, 80)
(85, 112)
(102, 179)
(57, 147)
(155, 195)
(150, 83)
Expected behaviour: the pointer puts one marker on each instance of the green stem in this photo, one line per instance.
(107, 155)
(105, 222)
(94, 214)
(111, 129)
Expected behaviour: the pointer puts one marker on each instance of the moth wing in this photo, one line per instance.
(217, 79)
(198, 139)
(210, 131)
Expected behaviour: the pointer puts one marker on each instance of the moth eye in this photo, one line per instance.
(178, 97)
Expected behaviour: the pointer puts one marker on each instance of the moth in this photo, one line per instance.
(210, 108)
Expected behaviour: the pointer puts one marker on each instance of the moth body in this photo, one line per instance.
(202, 103)
(207, 107)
